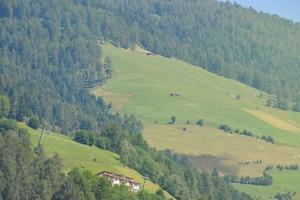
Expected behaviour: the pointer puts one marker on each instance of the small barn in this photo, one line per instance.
(174, 94)
(150, 54)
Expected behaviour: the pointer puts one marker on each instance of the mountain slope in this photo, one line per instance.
(74, 154)
(49, 58)
(142, 84)
(255, 48)
(52, 43)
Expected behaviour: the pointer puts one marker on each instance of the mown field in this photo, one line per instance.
(212, 148)
(74, 154)
(142, 84)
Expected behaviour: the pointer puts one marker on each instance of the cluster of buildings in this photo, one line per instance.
(117, 179)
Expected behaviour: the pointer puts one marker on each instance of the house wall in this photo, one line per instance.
(134, 187)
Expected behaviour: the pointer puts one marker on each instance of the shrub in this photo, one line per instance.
(270, 103)
(225, 128)
(284, 196)
(247, 133)
(293, 167)
(34, 122)
(269, 167)
(81, 137)
(85, 137)
(173, 120)
(8, 125)
(109, 106)
(296, 107)
(200, 122)
(282, 104)
(268, 139)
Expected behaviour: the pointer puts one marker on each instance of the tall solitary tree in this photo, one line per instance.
(4, 106)
(108, 67)
(282, 104)
(296, 106)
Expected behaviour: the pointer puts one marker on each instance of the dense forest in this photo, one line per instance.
(50, 57)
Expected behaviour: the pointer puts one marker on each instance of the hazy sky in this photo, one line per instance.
(286, 8)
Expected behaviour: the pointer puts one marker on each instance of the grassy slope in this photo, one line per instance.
(225, 150)
(74, 154)
(285, 181)
(142, 84)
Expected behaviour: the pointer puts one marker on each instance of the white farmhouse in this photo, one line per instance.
(117, 179)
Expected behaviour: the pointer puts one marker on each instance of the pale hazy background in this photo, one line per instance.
(289, 9)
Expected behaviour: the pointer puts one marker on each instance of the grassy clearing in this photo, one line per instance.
(117, 99)
(94, 159)
(283, 182)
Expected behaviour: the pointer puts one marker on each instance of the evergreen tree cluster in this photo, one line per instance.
(285, 196)
(287, 167)
(268, 139)
(27, 175)
(47, 54)
(227, 129)
(263, 180)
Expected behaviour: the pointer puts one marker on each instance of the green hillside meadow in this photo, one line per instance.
(74, 154)
(142, 84)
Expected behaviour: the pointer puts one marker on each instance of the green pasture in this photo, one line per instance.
(142, 84)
